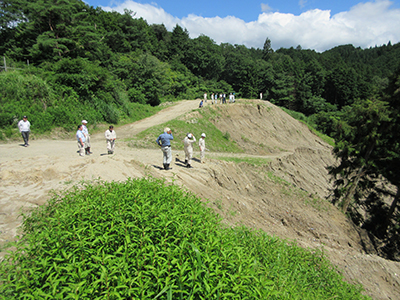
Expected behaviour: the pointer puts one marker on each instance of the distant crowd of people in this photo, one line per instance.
(215, 97)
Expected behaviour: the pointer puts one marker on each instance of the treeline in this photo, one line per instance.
(75, 61)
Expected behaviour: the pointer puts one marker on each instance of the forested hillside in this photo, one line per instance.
(79, 60)
(65, 61)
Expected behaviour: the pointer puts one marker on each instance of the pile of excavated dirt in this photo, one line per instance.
(285, 197)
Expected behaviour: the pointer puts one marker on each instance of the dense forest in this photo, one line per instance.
(64, 61)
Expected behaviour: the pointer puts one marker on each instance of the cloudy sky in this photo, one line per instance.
(312, 24)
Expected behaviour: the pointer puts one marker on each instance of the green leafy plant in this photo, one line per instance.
(227, 135)
(145, 239)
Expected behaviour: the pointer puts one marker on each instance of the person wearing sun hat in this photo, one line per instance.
(25, 128)
(202, 146)
(87, 137)
(188, 147)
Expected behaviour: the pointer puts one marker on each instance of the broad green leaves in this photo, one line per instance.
(145, 239)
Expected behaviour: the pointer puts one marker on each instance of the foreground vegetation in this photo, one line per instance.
(145, 239)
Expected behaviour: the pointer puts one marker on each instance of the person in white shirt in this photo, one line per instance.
(87, 137)
(80, 137)
(188, 148)
(25, 128)
(110, 135)
(202, 146)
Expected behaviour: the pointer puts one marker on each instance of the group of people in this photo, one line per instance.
(214, 98)
(164, 141)
(83, 139)
(222, 98)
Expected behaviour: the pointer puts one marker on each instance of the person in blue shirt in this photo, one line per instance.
(164, 141)
(81, 140)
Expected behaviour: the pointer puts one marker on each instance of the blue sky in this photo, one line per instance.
(313, 24)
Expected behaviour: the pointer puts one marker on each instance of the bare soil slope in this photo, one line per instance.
(284, 198)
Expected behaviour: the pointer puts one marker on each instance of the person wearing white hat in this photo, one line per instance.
(87, 137)
(188, 148)
(202, 146)
(164, 141)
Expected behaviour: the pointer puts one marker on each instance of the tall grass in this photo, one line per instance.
(144, 239)
(253, 161)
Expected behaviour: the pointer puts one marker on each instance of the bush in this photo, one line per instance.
(144, 239)
(24, 95)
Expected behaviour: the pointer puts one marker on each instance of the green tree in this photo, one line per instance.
(123, 33)
(389, 164)
(356, 141)
(341, 87)
(60, 28)
(267, 49)
(240, 70)
(283, 89)
(163, 37)
(178, 44)
(368, 147)
(204, 58)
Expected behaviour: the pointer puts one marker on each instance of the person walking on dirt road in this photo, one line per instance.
(164, 141)
(81, 140)
(24, 127)
(110, 135)
(188, 147)
(87, 137)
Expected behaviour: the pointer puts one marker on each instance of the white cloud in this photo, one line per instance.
(265, 7)
(302, 3)
(365, 24)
